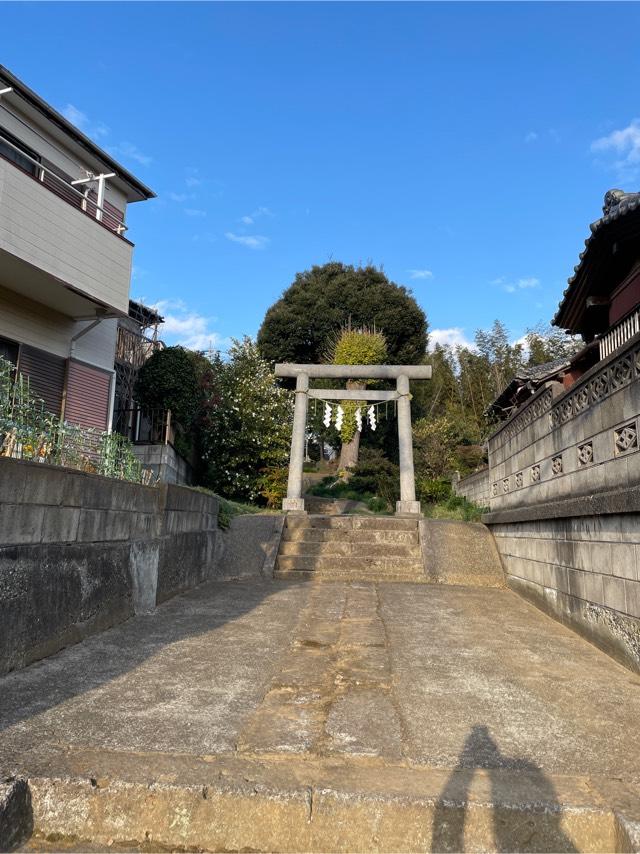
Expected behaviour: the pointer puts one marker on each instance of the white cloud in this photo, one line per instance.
(179, 197)
(257, 241)
(531, 136)
(420, 274)
(131, 152)
(625, 143)
(83, 123)
(192, 181)
(453, 337)
(186, 327)
(194, 212)
(262, 211)
(522, 284)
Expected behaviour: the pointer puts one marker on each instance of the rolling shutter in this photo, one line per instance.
(46, 375)
(88, 392)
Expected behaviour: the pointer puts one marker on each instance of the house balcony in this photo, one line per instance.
(59, 248)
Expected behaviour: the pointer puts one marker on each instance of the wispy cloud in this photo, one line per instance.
(195, 212)
(624, 145)
(187, 327)
(100, 132)
(548, 134)
(179, 197)
(512, 287)
(452, 337)
(262, 211)
(420, 274)
(129, 151)
(256, 241)
(96, 130)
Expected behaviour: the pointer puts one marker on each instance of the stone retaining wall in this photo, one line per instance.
(475, 487)
(582, 570)
(80, 553)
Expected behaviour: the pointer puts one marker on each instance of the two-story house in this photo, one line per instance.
(65, 256)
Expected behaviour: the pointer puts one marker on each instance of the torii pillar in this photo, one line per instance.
(402, 374)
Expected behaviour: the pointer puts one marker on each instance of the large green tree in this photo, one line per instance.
(245, 425)
(299, 326)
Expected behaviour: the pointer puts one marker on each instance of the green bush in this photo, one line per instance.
(377, 475)
(170, 379)
(455, 507)
(377, 504)
(432, 490)
(272, 484)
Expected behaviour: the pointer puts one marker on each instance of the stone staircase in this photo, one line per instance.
(350, 548)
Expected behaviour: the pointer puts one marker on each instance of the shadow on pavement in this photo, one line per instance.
(480, 751)
(108, 655)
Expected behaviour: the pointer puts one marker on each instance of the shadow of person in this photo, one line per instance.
(528, 784)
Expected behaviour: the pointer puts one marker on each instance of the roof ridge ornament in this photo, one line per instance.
(613, 198)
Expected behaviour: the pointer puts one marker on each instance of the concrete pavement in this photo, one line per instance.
(274, 716)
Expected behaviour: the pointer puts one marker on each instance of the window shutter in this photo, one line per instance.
(46, 375)
(87, 400)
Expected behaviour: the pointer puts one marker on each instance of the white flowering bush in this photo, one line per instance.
(246, 424)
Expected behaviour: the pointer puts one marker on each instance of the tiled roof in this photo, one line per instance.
(532, 377)
(617, 204)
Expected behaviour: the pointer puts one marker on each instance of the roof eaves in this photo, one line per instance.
(64, 124)
(626, 205)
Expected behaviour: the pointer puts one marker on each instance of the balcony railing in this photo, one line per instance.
(134, 349)
(620, 334)
(146, 427)
(84, 200)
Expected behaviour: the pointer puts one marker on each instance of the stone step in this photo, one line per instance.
(236, 804)
(359, 535)
(346, 523)
(338, 548)
(317, 563)
(378, 576)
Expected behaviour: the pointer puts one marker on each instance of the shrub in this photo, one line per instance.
(376, 474)
(170, 379)
(432, 490)
(273, 485)
(377, 504)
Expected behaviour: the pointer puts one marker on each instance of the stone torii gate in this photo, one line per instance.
(294, 502)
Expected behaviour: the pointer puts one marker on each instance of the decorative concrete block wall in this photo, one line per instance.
(475, 487)
(565, 502)
(564, 443)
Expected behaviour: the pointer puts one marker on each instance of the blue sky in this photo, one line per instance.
(464, 147)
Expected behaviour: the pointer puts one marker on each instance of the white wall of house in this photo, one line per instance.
(46, 232)
(28, 322)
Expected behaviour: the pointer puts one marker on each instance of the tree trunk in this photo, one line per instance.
(349, 451)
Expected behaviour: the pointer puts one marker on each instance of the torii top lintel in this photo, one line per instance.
(355, 372)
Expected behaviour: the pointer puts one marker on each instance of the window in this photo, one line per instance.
(9, 350)
(8, 146)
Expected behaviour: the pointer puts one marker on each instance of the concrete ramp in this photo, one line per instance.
(460, 553)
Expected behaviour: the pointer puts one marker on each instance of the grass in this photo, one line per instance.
(228, 509)
(455, 507)
(452, 507)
